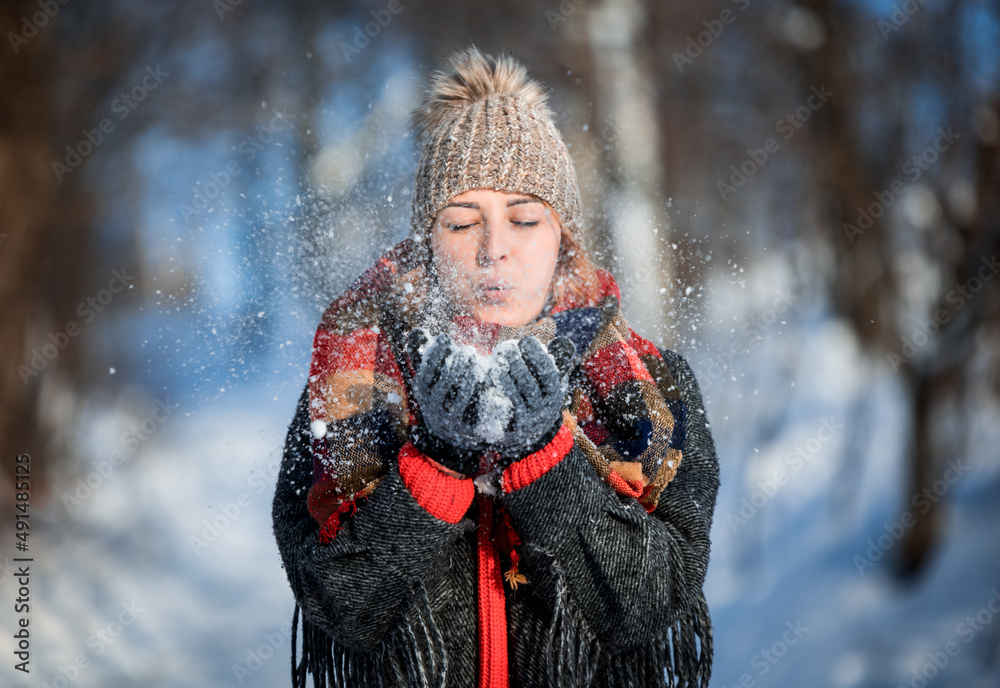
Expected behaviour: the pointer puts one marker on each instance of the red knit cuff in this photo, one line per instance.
(443, 496)
(533, 466)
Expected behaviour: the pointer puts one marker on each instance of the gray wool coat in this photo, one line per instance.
(615, 593)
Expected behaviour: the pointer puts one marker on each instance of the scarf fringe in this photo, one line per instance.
(681, 656)
(413, 654)
(571, 649)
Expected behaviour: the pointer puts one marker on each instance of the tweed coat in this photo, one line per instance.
(615, 597)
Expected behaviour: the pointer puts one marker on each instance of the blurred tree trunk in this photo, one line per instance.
(948, 376)
(28, 192)
(866, 287)
(682, 103)
(629, 127)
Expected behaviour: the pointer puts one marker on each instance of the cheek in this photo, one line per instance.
(546, 253)
(540, 261)
(453, 259)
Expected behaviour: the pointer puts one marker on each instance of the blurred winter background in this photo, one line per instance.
(803, 199)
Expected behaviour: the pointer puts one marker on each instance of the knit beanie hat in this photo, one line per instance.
(486, 125)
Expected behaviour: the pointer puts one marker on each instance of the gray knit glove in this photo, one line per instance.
(510, 402)
(447, 384)
(535, 382)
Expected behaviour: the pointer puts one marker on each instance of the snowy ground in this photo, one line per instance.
(789, 605)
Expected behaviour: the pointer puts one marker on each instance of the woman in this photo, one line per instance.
(491, 480)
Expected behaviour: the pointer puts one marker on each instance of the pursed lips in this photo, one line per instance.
(495, 290)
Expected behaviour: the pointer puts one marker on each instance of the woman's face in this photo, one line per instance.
(495, 253)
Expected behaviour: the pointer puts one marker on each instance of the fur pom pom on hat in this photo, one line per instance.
(486, 125)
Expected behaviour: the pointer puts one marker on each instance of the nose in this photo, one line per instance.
(494, 246)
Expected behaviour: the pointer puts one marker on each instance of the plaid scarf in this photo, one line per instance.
(625, 414)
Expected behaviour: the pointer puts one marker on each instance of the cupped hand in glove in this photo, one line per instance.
(447, 384)
(535, 382)
(511, 402)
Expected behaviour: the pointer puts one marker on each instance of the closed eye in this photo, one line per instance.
(526, 224)
(461, 227)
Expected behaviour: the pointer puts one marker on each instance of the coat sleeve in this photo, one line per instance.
(630, 573)
(355, 586)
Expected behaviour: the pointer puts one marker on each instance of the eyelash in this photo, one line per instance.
(519, 224)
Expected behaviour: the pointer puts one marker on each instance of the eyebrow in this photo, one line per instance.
(510, 203)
